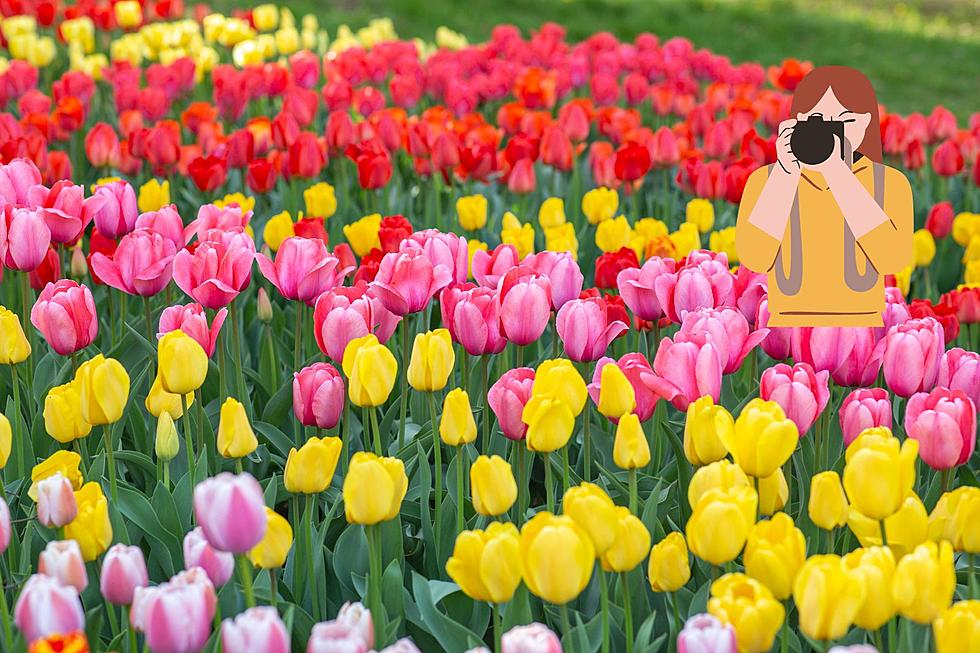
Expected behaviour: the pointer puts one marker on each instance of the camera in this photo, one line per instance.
(812, 140)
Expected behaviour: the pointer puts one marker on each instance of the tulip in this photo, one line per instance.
(218, 269)
(231, 511)
(104, 390)
(722, 475)
(407, 280)
(726, 329)
(61, 462)
(958, 627)
(114, 208)
(141, 265)
(763, 438)
(630, 546)
(303, 269)
(924, 582)
(847, 353)
(492, 485)
(549, 422)
(877, 565)
(65, 315)
(490, 267)
(24, 239)
(91, 528)
(6, 440)
(532, 638)
(686, 371)
(774, 553)
(371, 370)
(374, 488)
(637, 286)
(198, 552)
(432, 361)
(801, 393)
(457, 425)
(879, 473)
(773, 493)
(256, 629)
(669, 568)
(828, 595)
(706, 284)
(862, 409)
(525, 305)
(277, 230)
(704, 428)
(318, 396)
(320, 200)
(191, 319)
(630, 448)
(955, 519)
(182, 362)
(14, 346)
(563, 273)
(600, 204)
(473, 318)
(159, 401)
(153, 196)
(472, 212)
(557, 557)
(560, 378)
(507, 398)
(63, 419)
(271, 551)
(486, 564)
(747, 606)
(62, 560)
(616, 395)
(585, 329)
(730, 511)
(352, 631)
(339, 318)
(827, 507)
(636, 368)
(123, 570)
(176, 616)
(594, 512)
(944, 422)
(46, 607)
(703, 633)
(911, 356)
(56, 504)
(310, 468)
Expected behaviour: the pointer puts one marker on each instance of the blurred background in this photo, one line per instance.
(917, 53)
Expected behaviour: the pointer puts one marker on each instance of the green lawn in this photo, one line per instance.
(918, 54)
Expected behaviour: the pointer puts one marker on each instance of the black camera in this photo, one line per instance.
(812, 140)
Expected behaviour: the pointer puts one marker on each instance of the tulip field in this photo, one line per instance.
(346, 342)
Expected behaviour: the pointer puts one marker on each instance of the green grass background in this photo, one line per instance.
(918, 53)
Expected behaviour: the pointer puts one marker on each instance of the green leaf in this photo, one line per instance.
(278, 440)
(450, 635)
(165, 547)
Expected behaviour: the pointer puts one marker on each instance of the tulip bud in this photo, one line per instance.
(703, 633)
(630, 448)
(310, 468)
(104, 388)
(183, 363)
(4, 526)
(6, 440)
(532, 637)
(159, 401)
(374, 488)
(630, 546)
(750, 608)
(263, 307)
(236, 438)
(828, 505)
(320, 200)
(721, 511)
(567, 546)
(958, 627)
(167, 442)
(828, 595)
(123, 570)
(56, 505)
(774, 553)
(432, 360)
(773, 493)
(492, 485)
(457, 426)
(14, 347)
(79, 266)
(371, 370)
(763, 438)
(271, 552)
(559, 377)
(704, 428)
(231, 511)
(256, 629)
(549, 421)
(877, 565)
(616, 394)
(924, 582)
(594, 512)
(669, 569)
(472, 212)
(198, 552)
(879, 472)
(91, 528)
(63, 560)
(46, 607)
(63, 419)
(486, 564)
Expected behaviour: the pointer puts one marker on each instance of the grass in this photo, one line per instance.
(917, 54)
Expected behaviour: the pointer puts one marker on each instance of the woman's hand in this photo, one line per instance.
(784, 154)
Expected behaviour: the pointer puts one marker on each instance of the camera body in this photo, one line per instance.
(812, 140)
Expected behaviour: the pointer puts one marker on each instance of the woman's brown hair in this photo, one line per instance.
(853, 90)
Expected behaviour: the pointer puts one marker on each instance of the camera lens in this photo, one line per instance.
(812, 140)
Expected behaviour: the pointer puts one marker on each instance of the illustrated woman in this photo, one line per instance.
(828, 220)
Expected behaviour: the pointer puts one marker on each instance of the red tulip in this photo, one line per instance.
(942, 312)
(947, 159)
(939, 222)
(208, 172)
(102, 146)
(261, 175)
(393, 231)
(632, 161)
(306, 158)
(373, 164)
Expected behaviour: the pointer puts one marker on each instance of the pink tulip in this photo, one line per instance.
(585, 329)
(141, 265)
(227, 218)
(144, 596)
(357, 617)
(345, 313)
(318, 395)
(896, 312)
(802, 393)
(117, 212)
(198, 552)
(727, 329)
(218, 269)
(525, 305)
(706, 284)
(56, 505)
(848, 353)
(911, 354)
(176, 617)
(62, 560)
(303, 269)
(472, 315)
(532, 638)
(685, 371)
(443, 250)
(637, 287)
(4, 526)
(166, 222)
(489, 267)
(24, 239)
(854, 648)
(193, 321)
(46, 607)
(507, 398)
(404, 645)
(564, 275)
(862, 409)
(16, 180)
(703, 633)
(123, 570)
(945, 424)
(778, 342)
(231, 511)
(750, 289)
(257, 630)
(65, 315)
(636, 367)
(62, 207)
(960, 370)
(407, 280)
(335, 637)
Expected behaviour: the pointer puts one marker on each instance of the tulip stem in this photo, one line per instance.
(311, 561)
(565, 483)
(548, 484)
(587, 443)
(437, 456)
(373, 533)
(460, 462)
(604, 606)
(566, 628)
(521, 482)
(298, 338)
(110, 461)
(188, 440)
(485, 368)
(21, 441)
(498, 626)
(628, 610)
(378, 450)
(245, 571)
(8, 636)
(133, 647)
(403, 398)
(237, 342)
(633, 491)
(971, 581)
(273, 588)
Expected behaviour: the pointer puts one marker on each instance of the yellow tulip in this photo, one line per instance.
(552, 213)
(363, 234)
(154, 195)
(685, 240)
(905, 529)
(273, 548)
(80, 30)
(924, 582)
(6, 440)
(472, 247)
(723, 240)
(492, 485)
(244, 202)
(956, 519)
(879, 473)
(166, 444)
(104, 386)
(287, 41)
(562, 239)
(560, 378)
(91, 527)
(704, 427)
(129, 14)
(593, 510)
(236, 439)
(631, 545)
(457, 426)
(265, 17)
(877, 565)
(63, 413)
(773, 493)
(763, 438)
(721, 475)
(374, 488)
(549, 423)
(41, 51)
(701, 213)
(277, 230)
(62, 461)
(957, 630)
(903, 279)
(432, 360)
(321, 200)
(159, 401)
(827, 507)
(616, 394)
(731, 512)
(182, 362)
(14, 347)
(669, 568)
(613, 235)
(310, 468)
(750, 608)
(486, 564)
(521, 237)
(630, 448)
(600, 204)
(828, 595)
(923, 247)
(472, 212)
(371, 370)
(557, 557)
(774, 553)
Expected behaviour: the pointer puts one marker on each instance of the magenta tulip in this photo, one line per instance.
(46, 607)
(750, 289)
(489, 267)
(123, 570)
(318, 395)
(257, 630)
(472, 315)
(198, 552)
(912, 352)
(117, 212)
(443, 250)
(532, 638)
(62, 207)
(62, 560)
(960, 370)
(636, 368)
(166, 222)
(218, 269)
(176, 617)
(303, 269)
(142, 264)
(778, 342)
(24, 239)
(230, 217)
(407, 280)
(56, 505)
(586, 330)
(565, 279)
(703, 633)
(707, 284)
(16, 180)
(945, 424)
(638, 287)
(507, 398)
(862, 409)
(726, 328)
(685, 371)
(193, 321)
(525, 305)
(65, 315)
(802, 393)
(231, 511)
